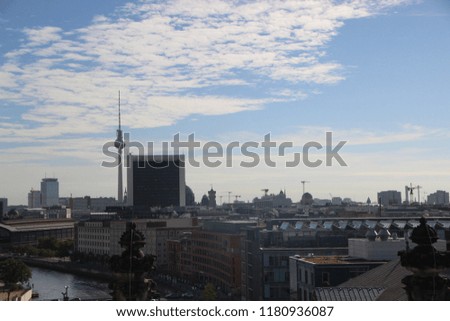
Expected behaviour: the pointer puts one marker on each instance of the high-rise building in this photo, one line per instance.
(3, 206)
(34, 199)
(49, 192)
(390, 198)
(155, 181)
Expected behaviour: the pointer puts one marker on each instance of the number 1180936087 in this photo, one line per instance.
(300, 311)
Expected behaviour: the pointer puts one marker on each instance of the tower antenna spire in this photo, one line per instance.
(119, 112)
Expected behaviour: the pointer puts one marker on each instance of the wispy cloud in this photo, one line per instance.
(168, 57)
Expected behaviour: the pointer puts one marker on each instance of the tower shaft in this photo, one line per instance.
(119, 144)
(120, 180)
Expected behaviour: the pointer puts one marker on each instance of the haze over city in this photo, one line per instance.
(373, 73)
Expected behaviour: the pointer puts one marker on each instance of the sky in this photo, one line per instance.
(372, 74)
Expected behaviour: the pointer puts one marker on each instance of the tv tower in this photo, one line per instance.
(119, 144)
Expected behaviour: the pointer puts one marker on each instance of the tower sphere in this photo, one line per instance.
(119, 144)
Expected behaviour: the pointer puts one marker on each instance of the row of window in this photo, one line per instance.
(93, 236)
(89, 244)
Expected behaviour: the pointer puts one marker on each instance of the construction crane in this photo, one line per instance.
(410, 190)
(303, 183)
(418, 187)
(265, 190)
(225, 194)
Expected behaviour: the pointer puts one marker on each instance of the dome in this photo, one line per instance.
(307, 199)
(190, 197)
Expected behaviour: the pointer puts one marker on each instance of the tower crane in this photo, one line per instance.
(265, 190)
(410, 190)
(418, 187)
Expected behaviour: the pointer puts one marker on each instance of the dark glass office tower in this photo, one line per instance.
(156, 181)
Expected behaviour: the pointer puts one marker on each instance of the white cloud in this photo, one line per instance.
(168, 59)
(42, 36)
(166, 53)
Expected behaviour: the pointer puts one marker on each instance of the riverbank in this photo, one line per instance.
(60, 265)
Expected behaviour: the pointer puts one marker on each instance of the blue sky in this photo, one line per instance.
(374, 73)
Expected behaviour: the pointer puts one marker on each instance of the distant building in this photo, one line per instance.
(390, 198)
(438, 198)
(273, 201)
(34, 199)
(336, 201)
(49, 192)
(212, 198)
(22, 232)
(190, 197)
(102, 236)
(83, 206)
(307, 199)
(3, 206)
(156, 181)
(204, 201)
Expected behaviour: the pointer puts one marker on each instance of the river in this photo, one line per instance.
(50, 285)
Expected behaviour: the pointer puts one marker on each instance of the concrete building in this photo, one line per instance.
(438, 198)
(179, 253)
(102, 236)
(3, 206)
(308, 273)
(156, 181)
(390, 198)
(265, 263)
(216, 255)
(22, 232)
(336, 201)
(49, 192)
(34, 199)
(383, 250)
(84, 206)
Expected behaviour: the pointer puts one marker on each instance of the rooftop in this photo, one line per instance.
(387, 276)
(348, 294)
(33, 225)
(331, 259)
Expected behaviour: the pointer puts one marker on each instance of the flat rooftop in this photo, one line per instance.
(33, 225)
(331, 259)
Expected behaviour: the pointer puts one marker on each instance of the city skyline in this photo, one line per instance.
(372, 73)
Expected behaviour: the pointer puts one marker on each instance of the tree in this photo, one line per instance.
(209, 292)
(12, 272)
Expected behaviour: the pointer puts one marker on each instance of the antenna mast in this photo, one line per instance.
(119, 144)
(119, 112)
